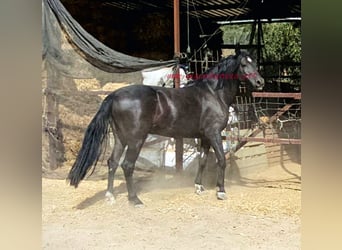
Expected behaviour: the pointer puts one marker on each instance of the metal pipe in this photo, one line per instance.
(272, 20)
(179, 141)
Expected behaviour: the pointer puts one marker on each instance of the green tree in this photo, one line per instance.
(236, 33)
(282, 42)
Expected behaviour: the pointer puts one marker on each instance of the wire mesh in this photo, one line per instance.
(278, 118)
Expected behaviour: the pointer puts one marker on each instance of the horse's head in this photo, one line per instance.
(247, 70)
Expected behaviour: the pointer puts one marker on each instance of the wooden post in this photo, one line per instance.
(176, 33)
(50, 126)
(52, 147)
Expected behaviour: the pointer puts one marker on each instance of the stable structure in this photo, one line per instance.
(192, 26)
(152, 24)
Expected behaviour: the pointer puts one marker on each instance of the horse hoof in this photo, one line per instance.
(110, 198)
(221, 195)
(199, 189)
(140, 205)
(136, 202)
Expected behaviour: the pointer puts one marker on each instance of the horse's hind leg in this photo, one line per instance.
(128, 165)
(205, 145)
(113, 163)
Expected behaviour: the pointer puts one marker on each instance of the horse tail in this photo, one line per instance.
(91, 148)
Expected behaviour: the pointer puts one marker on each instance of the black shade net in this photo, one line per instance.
(66, 44)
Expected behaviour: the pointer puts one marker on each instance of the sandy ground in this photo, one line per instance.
(262, 212)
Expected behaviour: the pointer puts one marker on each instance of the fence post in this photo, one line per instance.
(52, 140)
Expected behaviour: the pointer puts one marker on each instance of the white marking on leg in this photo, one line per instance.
(221, 195)
(199, 189)
(139, 205)
(110, 198)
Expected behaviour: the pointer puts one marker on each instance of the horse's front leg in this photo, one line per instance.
(205, 145)
(216, 143)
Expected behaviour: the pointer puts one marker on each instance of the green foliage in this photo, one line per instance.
(236, 33)
(282, 42)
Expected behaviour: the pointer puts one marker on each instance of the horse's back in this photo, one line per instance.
(185, 112)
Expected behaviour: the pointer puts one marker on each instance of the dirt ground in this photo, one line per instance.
(262, 212)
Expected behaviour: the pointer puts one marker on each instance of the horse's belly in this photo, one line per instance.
(176, 132)
(187, 127)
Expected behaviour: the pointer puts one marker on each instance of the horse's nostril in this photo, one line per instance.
(260, 82)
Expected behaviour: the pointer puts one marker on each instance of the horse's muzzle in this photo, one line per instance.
(260, 83)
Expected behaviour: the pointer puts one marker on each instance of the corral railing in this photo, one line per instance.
(276, 124)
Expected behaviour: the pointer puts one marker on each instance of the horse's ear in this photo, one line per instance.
(237, 49)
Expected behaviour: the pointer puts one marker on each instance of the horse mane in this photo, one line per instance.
(228, 64)
(227, 61)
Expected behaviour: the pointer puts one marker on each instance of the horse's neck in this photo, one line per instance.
(228, 92)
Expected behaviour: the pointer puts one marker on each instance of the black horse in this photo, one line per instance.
(199, 110)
